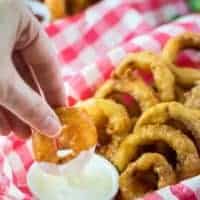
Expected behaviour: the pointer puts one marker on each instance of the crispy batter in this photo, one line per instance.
(112, 122)
(188, 162)
(164, 79)
(78, 133)
(138, 178)
(143, 94)
(164, 112)
(44, 148)
(193, 97)
(106, 89)
(184, 75)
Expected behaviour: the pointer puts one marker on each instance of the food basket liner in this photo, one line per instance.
(89, 46)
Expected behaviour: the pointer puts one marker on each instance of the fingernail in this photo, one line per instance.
(52, 127)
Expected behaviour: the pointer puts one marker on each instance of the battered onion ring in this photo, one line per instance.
(143, 94)
(112, 121)
(133, 183)
(163, 112)
(101, 110)
(188, 162)
(164, 79)
(184, 76)
(78, 134)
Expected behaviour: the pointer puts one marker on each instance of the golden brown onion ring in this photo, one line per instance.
(187, 161)
(164, 79)
(112, 122)
(78, 134)
(135, 87)
(102, 110)
(138, 178)
(184, 75)
(164, 112)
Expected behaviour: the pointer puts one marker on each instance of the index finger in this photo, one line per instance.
(38, 52)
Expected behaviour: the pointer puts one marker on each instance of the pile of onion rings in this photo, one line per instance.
(186, 77)
(154, 139)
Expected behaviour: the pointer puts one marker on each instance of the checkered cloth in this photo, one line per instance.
(90, 35)
(89, 47)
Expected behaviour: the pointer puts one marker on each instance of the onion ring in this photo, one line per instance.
(143, 94)
(188, 162)
(134, 184)
(118, 121)
(112, 122)
(162, 113)
(78, 134)
(140, 91)
(184, 75)
(164, 78)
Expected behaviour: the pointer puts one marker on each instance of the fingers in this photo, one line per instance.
(41, 57)
(37, 51)
(20, 128)
(20, 99)
(15, 95)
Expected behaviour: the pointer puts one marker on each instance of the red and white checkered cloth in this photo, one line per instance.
(88, 36)
(89, 47)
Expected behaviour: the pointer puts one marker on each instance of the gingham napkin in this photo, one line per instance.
(89, 46)
(85, 37)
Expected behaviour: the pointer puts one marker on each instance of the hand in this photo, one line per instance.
(27, 60)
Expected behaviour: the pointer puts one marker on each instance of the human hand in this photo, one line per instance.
(25, 48)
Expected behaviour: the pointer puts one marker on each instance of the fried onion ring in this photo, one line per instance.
(112, 122)
(187, 161)
(136, 180)
(164, 112)
(164, 79)
(184, 75)
(101, 110)
(78, 134)
(135, 87)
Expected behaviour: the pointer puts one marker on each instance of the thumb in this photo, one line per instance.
(25, 103)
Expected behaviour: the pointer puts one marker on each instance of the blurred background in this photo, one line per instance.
(50, 10)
